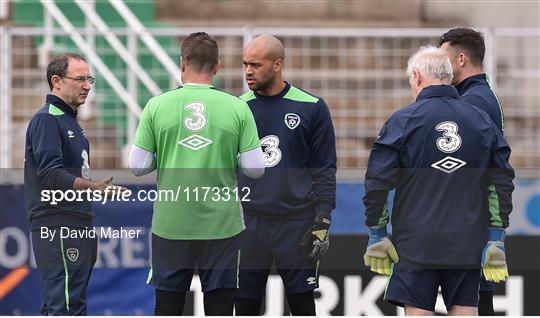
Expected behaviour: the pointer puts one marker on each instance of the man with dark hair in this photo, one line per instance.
(465, 48)
(57, 158)
(288, 217)
(196, 136)
(201, 51)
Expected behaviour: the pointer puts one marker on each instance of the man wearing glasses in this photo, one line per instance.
(57, 159)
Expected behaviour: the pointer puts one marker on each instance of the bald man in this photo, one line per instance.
(289, 212)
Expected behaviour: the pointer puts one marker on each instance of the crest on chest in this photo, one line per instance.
(292, 120)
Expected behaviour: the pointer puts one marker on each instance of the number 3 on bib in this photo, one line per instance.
(272, 154)
(85, 168)
(450, 140)
(197, 119)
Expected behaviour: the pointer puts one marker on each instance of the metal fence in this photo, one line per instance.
(359, 72)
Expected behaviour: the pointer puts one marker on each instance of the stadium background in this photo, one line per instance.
(352, 53)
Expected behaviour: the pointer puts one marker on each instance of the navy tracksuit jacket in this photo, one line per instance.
(57, 152)
(443, 157)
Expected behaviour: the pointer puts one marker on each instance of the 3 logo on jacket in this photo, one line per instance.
(272, 153)
(449, 142)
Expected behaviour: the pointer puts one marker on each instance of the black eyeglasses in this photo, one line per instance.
(82, 79)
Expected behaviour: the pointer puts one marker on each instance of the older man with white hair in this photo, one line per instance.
(442, 156)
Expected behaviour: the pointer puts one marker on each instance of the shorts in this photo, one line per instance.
(418, 285)
(268, 240)
(174, 263)
(65, 266)
(486, 286)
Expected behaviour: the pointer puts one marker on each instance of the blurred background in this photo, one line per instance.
(351, 53)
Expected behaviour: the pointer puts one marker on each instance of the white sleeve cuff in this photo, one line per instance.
(251, 163)
(141, 161)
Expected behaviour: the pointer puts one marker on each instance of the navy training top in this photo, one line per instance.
(297, 138)
(476, 91)
(56, 152)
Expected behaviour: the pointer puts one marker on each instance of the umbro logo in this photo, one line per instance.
(448, 164)
(311, 280)
(195, 142)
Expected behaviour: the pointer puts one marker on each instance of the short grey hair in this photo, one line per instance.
(432, 63)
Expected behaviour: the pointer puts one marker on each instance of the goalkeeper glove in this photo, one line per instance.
(494, 257)
(318, 236)
(380, 251)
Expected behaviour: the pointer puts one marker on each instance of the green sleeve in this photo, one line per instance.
(144, 136)
(249, 137)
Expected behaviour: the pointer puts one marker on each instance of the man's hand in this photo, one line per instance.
(380, 252)
(108, 189)
(105, 186)
(494, 256)
(318, 236)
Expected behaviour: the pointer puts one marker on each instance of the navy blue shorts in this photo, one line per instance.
(174, 263)
(269, 240)
(417, 285)
(486, 286)
(65, 266)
